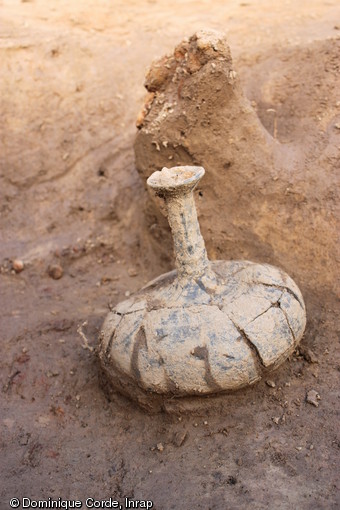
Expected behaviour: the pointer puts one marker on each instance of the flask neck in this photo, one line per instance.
(191, 256)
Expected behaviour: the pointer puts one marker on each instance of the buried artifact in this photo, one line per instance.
(207, 327)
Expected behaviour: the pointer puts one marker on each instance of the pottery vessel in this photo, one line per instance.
(206, 328)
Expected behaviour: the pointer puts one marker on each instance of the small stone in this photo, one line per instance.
(55, 271)
(160, 447)
(308, 355)
(132, 272)
(337, 126)
(270, 383)
(313, 398)
(127, 293)
(52, 373)
(179, 438)
(18, 265)
(24, 439)
(276, 420)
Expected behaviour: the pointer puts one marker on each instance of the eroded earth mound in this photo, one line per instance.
(266, 195)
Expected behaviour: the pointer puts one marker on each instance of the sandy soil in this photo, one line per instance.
(72, 78)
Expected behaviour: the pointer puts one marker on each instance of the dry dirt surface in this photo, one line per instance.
(72, 211)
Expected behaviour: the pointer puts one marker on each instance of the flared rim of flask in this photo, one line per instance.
(177, 178)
